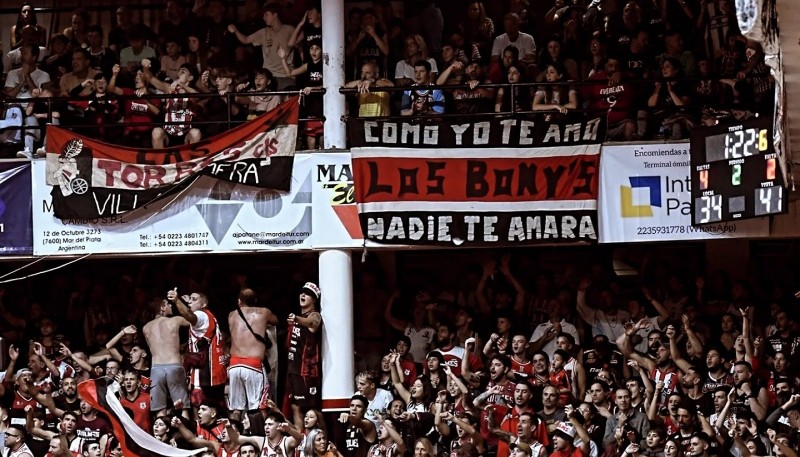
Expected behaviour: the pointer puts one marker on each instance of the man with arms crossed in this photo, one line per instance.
(249, 387)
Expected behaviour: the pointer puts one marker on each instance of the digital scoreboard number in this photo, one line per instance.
(735, 173)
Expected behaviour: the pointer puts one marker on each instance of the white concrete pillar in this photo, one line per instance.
(336, 285)
(333, 59)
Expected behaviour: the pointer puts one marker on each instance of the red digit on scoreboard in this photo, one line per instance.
(770, 169)
(703, 179)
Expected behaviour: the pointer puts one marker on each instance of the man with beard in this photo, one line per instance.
(624, 414)
(499, 391)
(454, 355)
(687, 425)
(68, 396)
(780, 372)
(749, 396)
(603, 356)
(692, 387)
(524, 435)
(551, 414)
(134, 399)
(513, 418)
(784, 339)
(90, 426)
(718, 374)
(661, 369)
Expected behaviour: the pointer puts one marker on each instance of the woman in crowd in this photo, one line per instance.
(555, 96)
(27, 17)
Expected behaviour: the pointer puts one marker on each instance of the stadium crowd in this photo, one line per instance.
(656, 68)
(495, 359)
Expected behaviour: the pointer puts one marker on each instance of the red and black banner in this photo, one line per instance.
(92, 179)
(135, 442)
(481, 131)
(478, 197)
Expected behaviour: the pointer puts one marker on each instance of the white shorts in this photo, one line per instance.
(249, 387)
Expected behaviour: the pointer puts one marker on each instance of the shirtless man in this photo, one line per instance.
(167, 373)
(249, 387)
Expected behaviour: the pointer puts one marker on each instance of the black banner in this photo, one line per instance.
(480, 228)
(482, 131)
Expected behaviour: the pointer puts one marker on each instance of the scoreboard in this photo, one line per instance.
(736, 173)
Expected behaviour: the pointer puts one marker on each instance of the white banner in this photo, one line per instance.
(210, 215)
(217, 216)
(645, 196)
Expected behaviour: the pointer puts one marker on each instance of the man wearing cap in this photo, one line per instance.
(249, 387)
(304, 359)
(563, 438)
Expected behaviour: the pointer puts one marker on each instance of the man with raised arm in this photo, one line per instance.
(249, 387)
(304, 358)
(167, 374)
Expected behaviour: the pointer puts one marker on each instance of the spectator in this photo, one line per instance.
(25, 18)
(44, 113)
(271, 38)
(554, 96)
(472, 100)
(58, 57)
(141, 111)
(78, 31)
(312, 76)
(13, 59)
(553, 54)
(175, 27)
(259, 104)
(76, 83)
(370, 44)
(180, 110)
(596, 58)
(513, 37)
(669, 101)
(405, 72)
(172, 61)
(611, 94)
(198, 55)
(308, 30)
(132, 55)
(422, 101)
(21, 83)
(118, 36)
(371, 103)
(673, 43)
(103, 58)
(478, 30)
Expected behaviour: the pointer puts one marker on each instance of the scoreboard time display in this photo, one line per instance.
(735, 173)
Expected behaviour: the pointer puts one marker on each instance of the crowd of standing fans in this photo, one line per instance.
(492, 359)
(654, 68)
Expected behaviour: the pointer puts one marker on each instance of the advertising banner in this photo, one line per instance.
(645, 194)
(478, 197)
(91, 179)
(16, 229)
(210, 215)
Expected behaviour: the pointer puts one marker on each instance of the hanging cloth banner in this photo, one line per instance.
(92, 179)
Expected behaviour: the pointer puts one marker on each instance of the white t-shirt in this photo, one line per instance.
(404, 70)
(551, 347)
(379, 404)
(524, 43)
(420, 342)
(39, 77)
(201, 326)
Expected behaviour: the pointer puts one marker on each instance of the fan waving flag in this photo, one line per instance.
(101, 393)
(92, 179)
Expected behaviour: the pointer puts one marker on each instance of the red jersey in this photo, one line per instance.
(137, 111)
(498, 412)
(669, 377)
(140, 406)
(576, 452)
(560, 380)
(454, 356)
(618, 100)
(215, 373)
(210, 434)
(525, 368)
(510, 424)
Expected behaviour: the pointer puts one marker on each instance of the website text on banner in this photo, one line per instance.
(645, 194)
